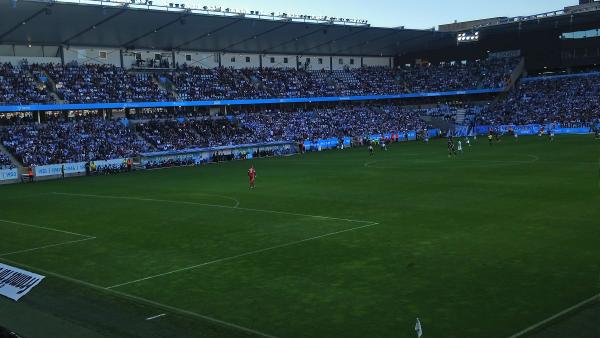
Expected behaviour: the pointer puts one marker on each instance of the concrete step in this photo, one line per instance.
(13, 159)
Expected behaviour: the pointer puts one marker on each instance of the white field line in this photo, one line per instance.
(46, 247)
(235, 200)
(141, 299)
(45, 228)
(157, 316)
(131, 198)
(575, 307)
(240, 255)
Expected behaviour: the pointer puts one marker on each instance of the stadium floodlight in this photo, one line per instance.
(467, 37)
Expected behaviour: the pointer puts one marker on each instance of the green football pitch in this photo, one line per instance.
(331, 244)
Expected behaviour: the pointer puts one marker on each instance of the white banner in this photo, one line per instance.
(9, 174)
(16, 283)
(110, 163)
(55, 169)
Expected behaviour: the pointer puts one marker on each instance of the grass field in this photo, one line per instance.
(332, 244)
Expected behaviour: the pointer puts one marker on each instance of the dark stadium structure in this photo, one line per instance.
(100, 24)
(446, 174)
(127, 26)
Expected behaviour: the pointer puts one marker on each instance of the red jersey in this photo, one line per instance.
(252, 174)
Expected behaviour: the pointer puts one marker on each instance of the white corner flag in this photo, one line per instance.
(418, 328)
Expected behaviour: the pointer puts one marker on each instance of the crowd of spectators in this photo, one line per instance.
(195, 83)
(194, 133)
(103, 83)
(93, 138)
(5, 162)
(491, 73)
(563, 100)
(97, 83)
(277, 125)
(76, 141)
(19, 86)
(324, 123)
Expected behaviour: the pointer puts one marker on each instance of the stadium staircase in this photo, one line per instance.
(515, 76)
(517, 73)
(51, 85)
(133, 127)
(166, 85)
(13, 159)
(254, 82)
(460, 117)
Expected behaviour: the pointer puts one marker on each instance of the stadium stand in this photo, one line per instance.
(62, 142)
(103, 83)
(194, 133)
(565, 100)
(313, 124)
(93, 138)
(5, 162)
(18, 86)
(195, 83)
(107, 83)
(571, 101)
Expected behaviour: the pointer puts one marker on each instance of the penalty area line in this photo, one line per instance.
(220, 260)
(130, 198)
(140, 299)
(44, 228)
(46, 247)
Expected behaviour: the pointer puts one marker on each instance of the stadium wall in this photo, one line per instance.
(197, 59)
(83, 55)
(14, 54)
(343, 62)
(377, 62)
(16, 60)
(238, 61)
(278, 61)
(125, 58)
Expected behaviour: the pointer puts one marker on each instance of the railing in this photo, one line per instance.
(177, 7)
(220, 103)
(570, 11)
(560, 76)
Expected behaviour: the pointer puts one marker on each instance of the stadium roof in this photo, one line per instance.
(97, 24)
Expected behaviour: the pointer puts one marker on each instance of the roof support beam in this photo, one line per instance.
(205, 35)
(298, 38)
(370, 41)
(255, 36)
(399, 44)
(94, 26)
(334, 40)
(26, 20)
(129, 43)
